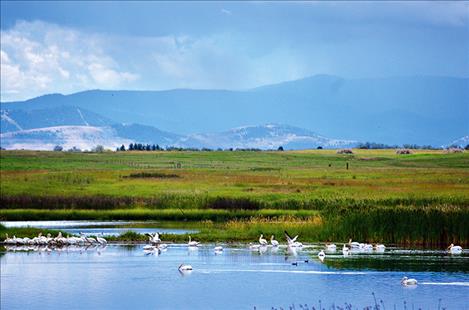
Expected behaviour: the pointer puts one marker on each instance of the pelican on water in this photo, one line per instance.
(273, 241)
(406, 281)
(292, 241)
(262, 240)
(454, 249)
(345, 250)
(331, 247)
(321, 254)
(101, 240)
(192, 243)
(184, 267)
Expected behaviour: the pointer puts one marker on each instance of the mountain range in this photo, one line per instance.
(76, 127)
(398, 110)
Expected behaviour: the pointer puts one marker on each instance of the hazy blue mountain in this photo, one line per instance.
(269, 136)
(82, 137)
(422, 110)
(461, 142)
(145, 134)
(14, 120)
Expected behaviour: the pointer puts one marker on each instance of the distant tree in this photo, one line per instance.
(153, 147)
(122, 147)
(58, 148)
(131, 147)
(98, 149)
(467, 147)
(148, 147)
(280, 148)
(319, 147)
(74, 149)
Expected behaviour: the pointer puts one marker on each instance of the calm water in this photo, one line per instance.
(123, 277)
(111, 228)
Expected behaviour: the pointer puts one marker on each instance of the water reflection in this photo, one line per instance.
(125, 276)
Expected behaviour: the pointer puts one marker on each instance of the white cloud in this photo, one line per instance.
(226, 12)
(38, 58)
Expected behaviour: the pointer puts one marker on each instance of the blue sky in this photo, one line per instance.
(67, 47)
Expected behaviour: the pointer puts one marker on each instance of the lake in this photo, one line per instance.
(122, 276)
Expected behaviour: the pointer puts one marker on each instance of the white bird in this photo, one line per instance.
(162, 246)
(406, 281)
(380, 247)
(149, 247)
(8, 240)
(321, 254)
(184, 267)
(192, 243)
(218, 248)
(155, 238)
(331, 247)
(90, 240)
(354, 245)
(273, 241)
(292, 241)
(101, 240)
(367, 247)
(454, 249)
(345, 250)
(262, 240)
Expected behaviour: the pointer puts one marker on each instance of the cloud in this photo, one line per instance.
(226, 12)
(38, 58)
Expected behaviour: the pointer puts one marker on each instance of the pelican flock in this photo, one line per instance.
(59, 243)
(49, 243)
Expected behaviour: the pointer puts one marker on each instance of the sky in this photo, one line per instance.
(66, 47)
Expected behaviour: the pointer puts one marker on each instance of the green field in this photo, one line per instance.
(421, 198)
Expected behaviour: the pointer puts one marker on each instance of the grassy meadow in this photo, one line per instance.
(422, 198)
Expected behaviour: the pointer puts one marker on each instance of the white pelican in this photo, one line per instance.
(90, 240)
(454, 249)
(354, 245)
(345, 250)
(380, 247)
(321, 254)
(273, 241)
(331, 247)
(8, 240)
(367, 247)
(406, 281)
(184, 267)
(192, 243)
(101, 240)
(262, 241)
(292, 241)
(155, 238)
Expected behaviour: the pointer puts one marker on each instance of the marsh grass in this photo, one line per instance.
(420, 198)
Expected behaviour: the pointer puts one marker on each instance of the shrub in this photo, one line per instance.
(345, 151)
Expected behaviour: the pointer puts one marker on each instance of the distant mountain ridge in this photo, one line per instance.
(87, 137)
(398, 110)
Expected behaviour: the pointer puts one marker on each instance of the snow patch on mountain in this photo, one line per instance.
(6, 118)
(82, 137)
(461, 142)
(269, 136)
